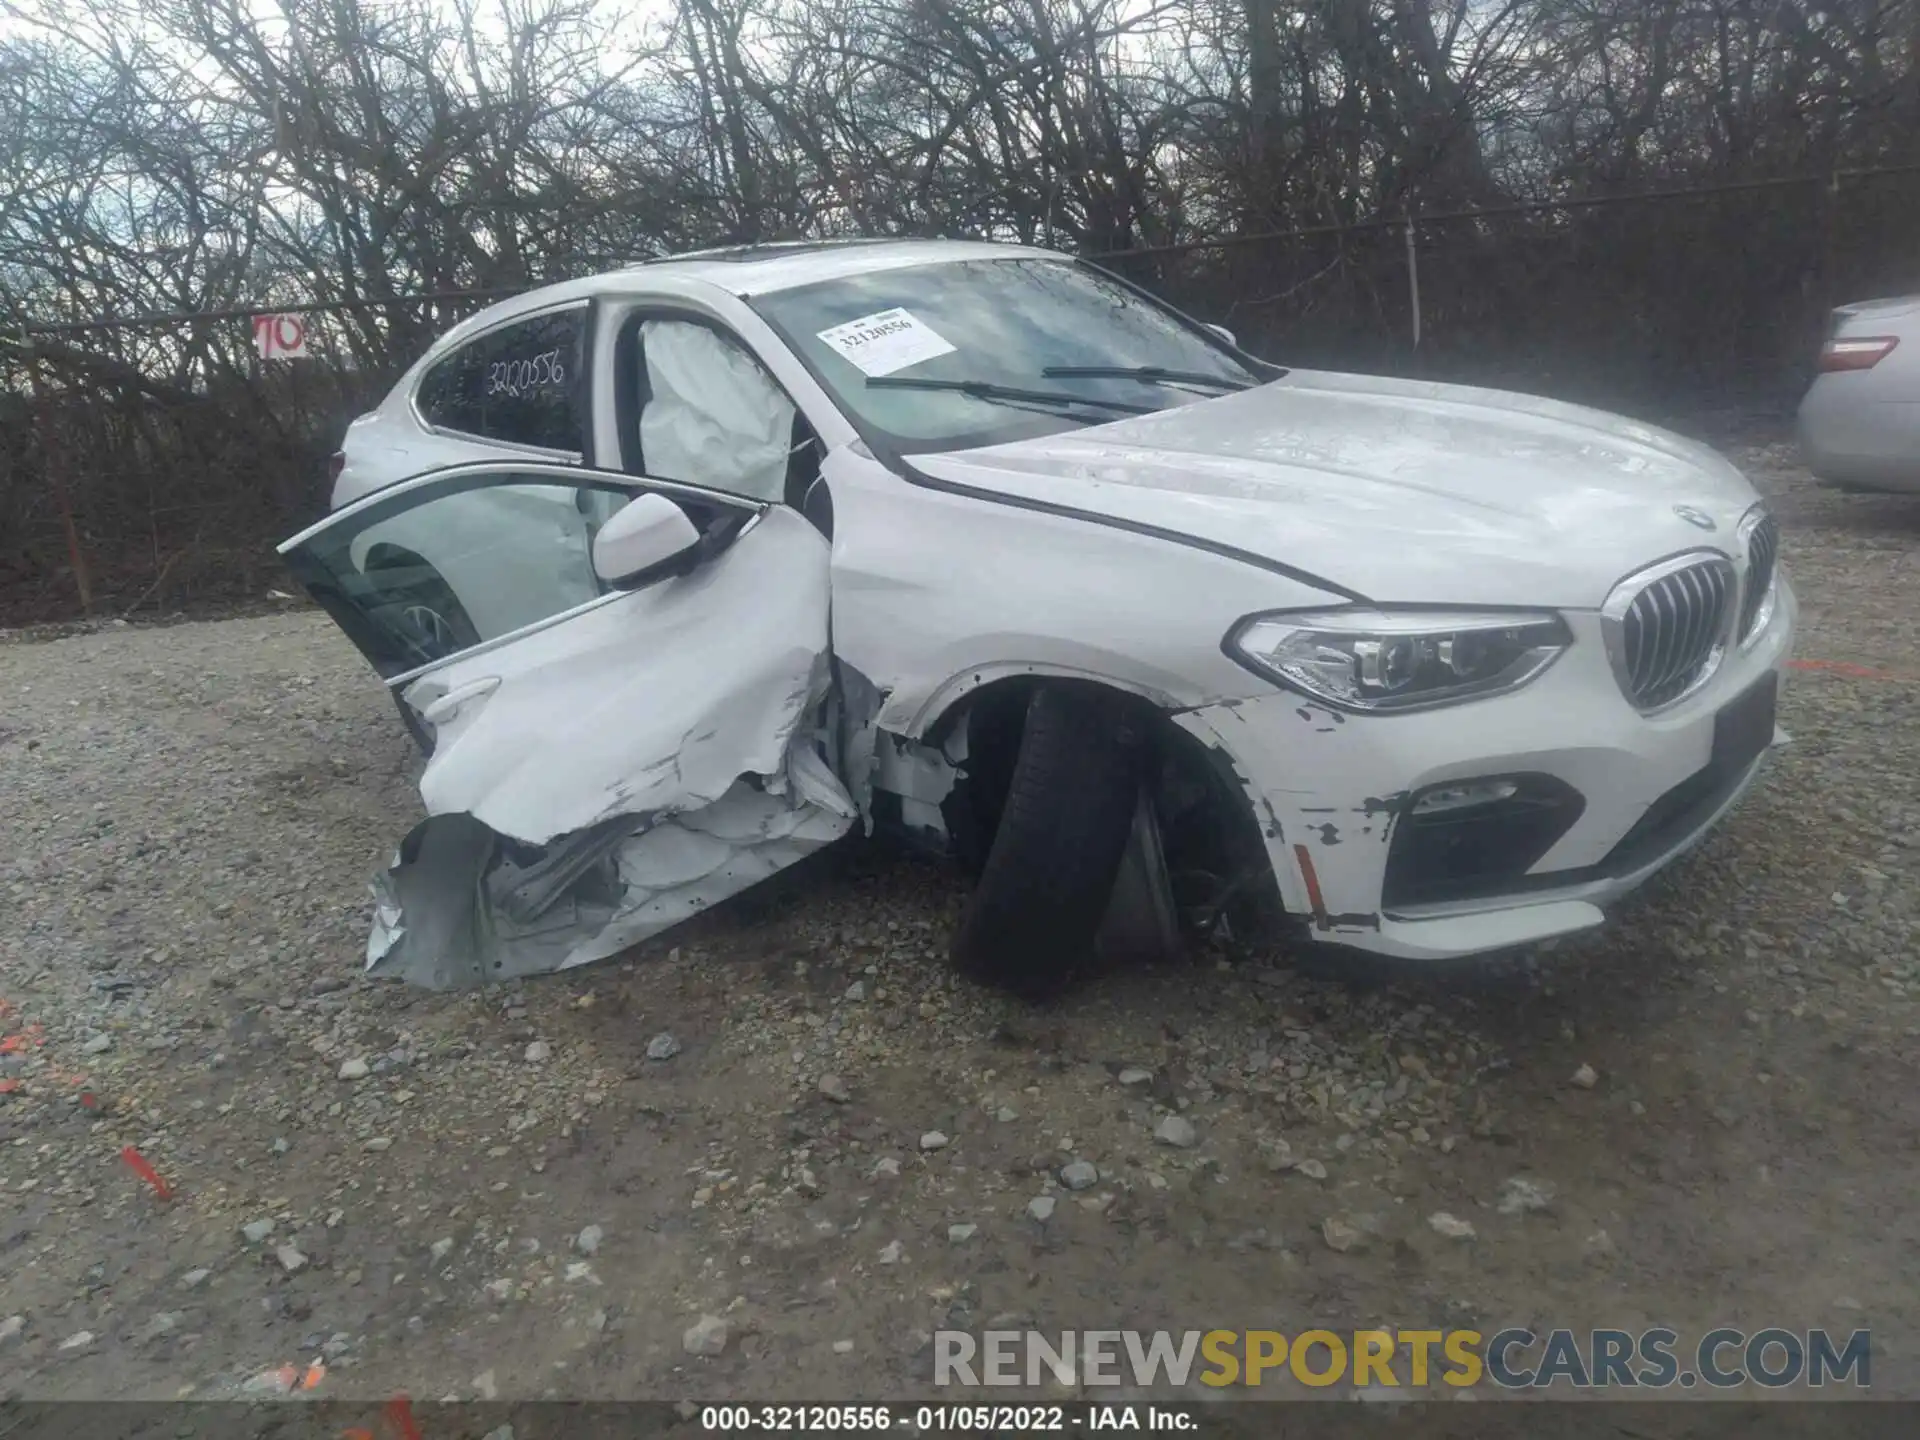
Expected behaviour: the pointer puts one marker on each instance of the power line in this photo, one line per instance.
(1526, 207)
(316, 307)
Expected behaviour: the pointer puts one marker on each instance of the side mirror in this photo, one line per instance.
(647, 533)
(1224, 333)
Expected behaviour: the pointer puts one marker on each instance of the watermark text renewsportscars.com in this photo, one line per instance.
(1512, 1359)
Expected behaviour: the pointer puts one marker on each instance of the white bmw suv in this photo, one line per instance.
(683, 571)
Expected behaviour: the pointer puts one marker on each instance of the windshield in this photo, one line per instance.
(973, 352)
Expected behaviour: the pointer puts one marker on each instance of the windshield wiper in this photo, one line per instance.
(1146, 374)
(1004, 394)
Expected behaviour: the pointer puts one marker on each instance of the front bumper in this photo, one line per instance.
(1331, 791)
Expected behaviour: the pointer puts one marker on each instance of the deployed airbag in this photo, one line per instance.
(713, 417)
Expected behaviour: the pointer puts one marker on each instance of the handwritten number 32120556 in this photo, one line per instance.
(518, 378)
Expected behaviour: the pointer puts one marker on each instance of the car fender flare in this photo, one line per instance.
(918, 719)
(1283, 847)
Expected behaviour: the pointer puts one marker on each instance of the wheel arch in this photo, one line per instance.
(933, 719)
(1212, 818)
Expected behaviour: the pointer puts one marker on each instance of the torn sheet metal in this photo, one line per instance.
(652, 703)
(462, 906)
(638, 763)
(856, 706)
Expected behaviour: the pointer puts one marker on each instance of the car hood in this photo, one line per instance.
(1396, 490)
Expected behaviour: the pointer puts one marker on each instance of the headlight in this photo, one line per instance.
(1376, 662)
(1759, 540)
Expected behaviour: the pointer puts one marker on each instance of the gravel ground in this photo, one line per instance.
(527, 1192)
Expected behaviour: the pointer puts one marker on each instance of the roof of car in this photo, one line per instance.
(739, 270)
(761, 269)
(767, 249)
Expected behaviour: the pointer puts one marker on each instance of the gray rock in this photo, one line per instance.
(79, 1340)
(1080, 1175)
(1520, 1195)
(439, 1250)
(194, 1279)
(843, 1347)
(1585, 1077)
(485, 1386)
(857, 991)
(706, 1336)
(664, 1047)
(835, 1089)
(11, 1327)
(960, 1234)
(538, 1053)
(1176, 1130)
(1041, 1207)
(587, 1242)
(1452, 1227)
(355, 1069)
(1006, 1114)
(1339, 1234)
(1312, 1169)
(1136, 1075)
(934, 1140)
(886, 1165)
(97, 1044)
(892, 1253)
(291, 1260)
(280, 1145)
(162, 1325)
(257, 1230)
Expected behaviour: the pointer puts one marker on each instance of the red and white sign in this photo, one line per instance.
(280, 337)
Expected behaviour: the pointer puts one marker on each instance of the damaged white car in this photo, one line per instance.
(682, 572)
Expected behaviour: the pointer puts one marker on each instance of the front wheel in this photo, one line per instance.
(1049, 873)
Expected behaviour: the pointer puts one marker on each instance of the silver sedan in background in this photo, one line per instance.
(1860, 422)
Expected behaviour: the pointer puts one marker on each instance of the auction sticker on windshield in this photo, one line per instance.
(886, 341)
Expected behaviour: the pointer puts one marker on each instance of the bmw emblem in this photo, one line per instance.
(1694, 517)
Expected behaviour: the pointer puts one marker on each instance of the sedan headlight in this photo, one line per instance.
(1377, 662)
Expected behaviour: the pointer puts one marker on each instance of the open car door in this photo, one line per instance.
(625, 698)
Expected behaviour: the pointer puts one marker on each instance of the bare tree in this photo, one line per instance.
(181, 157)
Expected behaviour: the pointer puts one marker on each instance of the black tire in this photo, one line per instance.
(972, 808)
(1031, 923)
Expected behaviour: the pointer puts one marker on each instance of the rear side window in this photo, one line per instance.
(520, 384)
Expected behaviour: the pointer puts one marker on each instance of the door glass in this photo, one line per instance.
(710, 415)
(519, 384)
(434, 572)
